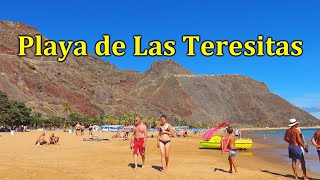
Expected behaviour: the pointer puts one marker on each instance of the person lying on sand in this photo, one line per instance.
(53, 139)
(41, 139)
(316, 141)
(95, 138)
(232, 153)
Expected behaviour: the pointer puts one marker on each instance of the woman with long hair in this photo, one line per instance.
(164, 141)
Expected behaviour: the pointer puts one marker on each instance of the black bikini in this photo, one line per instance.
(165, 142)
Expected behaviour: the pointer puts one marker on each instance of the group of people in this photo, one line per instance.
(80, 129)
(41, 140)
(298, 146)
(138, 141)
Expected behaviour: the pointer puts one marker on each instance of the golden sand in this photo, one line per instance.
(75, 159)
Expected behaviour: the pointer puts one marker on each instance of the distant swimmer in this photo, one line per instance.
(316, 141)
(293, 137)
(138, 141)
(164, 141)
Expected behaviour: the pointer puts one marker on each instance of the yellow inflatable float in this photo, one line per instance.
(215, 143)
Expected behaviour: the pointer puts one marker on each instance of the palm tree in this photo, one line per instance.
(66, 107)
(37, 116)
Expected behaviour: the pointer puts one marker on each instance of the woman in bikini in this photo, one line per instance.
(163, 141)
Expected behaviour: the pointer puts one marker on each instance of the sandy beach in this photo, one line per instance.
(75, 159)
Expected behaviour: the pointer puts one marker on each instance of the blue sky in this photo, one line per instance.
(294, 79)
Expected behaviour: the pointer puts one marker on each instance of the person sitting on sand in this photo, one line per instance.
(185, 134)
(53, 139)
(232, 153)
(117, 135)
(41, 139)
(316, 141)
(178, 134)
(292, 137)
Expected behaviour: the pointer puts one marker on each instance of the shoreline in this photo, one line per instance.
(274, 128)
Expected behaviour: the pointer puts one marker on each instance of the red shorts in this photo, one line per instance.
(138, 144)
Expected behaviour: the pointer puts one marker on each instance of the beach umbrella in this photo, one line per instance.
(210, 132)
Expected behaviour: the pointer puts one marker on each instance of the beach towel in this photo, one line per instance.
(209, 133)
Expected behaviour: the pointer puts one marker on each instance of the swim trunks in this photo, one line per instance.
(138, 145)
(232, 152)
(318, 153)
(295, 152)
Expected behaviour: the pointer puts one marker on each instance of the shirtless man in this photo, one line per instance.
(41, 139)
(233, 150)
(316, 141)
(54, 139)
(138, 141)
(292, 137)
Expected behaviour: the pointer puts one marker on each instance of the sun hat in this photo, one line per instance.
(293, 122)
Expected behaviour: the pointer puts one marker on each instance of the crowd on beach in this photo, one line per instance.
(138, 137)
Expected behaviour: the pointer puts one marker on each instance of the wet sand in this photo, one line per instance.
(75, 159)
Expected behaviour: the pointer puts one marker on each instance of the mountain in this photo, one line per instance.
(95, 86)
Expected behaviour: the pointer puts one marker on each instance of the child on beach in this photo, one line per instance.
(232, 153)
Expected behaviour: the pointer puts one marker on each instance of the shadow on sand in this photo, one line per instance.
(132, 165)
(218, 169)
(285, 175)
(157, 168)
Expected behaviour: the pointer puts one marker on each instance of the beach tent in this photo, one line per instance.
(209, 133)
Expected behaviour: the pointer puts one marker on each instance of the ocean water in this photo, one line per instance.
(276, 137)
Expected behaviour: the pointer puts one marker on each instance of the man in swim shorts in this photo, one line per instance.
(233, 150)
(293, 137)
(138, 141)
(316, 141)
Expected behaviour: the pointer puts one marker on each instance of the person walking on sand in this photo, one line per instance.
(163, 141)
(293, 137)
(138, 141)
(316, 141)
(82, 130)
(90, 130)
(126, 130)
(78, 128)
(232, 153)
